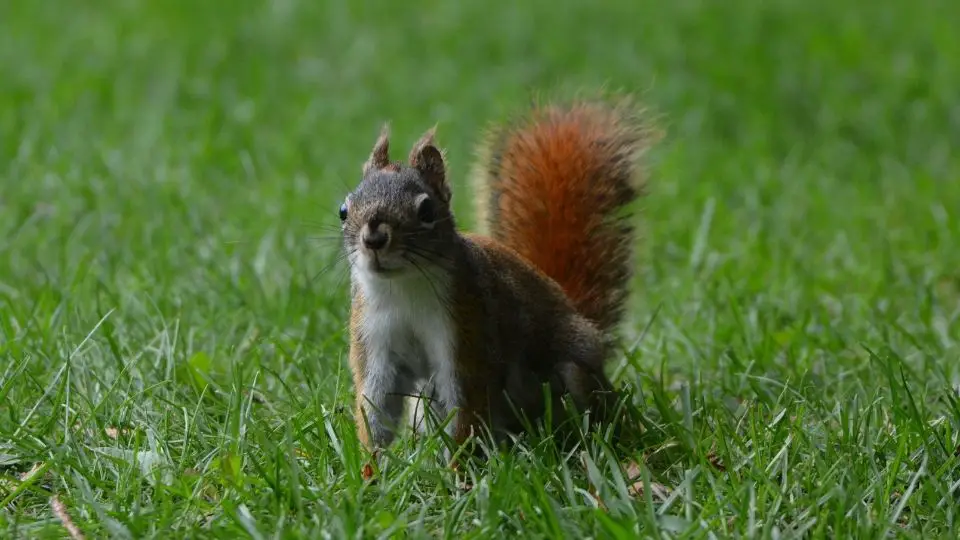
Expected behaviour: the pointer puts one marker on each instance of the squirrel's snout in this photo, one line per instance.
(375, 238)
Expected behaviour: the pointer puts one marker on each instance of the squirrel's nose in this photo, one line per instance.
(375, 239)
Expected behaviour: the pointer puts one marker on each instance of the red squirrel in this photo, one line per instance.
(483, 323)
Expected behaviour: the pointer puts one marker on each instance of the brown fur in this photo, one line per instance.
(533, 303)
(518, 331)
(358, 366)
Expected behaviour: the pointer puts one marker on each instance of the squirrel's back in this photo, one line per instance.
(557, 186)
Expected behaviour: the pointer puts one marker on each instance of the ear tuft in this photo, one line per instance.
(380, 155)
(427, 139)
(428, 160)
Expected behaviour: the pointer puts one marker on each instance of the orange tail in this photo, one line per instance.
(558, 187)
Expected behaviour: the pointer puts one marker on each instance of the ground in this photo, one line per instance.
(172, 347)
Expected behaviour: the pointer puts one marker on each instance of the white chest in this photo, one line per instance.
(408, 321)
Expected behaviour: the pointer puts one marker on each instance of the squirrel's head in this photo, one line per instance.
(398, 220)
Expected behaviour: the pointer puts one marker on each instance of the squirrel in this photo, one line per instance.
(484, 323)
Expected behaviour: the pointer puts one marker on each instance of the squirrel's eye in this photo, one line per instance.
(426, 212)
(343, 212)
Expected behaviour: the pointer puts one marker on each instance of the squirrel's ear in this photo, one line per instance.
(380, 155)
(428, 160)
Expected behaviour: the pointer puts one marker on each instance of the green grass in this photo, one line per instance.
(172, 355)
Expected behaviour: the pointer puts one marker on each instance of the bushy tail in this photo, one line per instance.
(557, 186)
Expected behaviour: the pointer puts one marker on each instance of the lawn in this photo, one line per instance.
(172, 317)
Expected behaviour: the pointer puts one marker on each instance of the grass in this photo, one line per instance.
(172, 354)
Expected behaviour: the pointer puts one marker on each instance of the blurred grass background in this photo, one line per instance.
(169, 172)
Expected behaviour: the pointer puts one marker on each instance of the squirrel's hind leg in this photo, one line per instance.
(591, 391)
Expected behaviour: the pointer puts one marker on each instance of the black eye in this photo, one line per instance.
(426, 212)
(343, 212)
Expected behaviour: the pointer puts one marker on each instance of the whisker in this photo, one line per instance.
(326, 238)
(426, 248)
(316, 221)
(343, 183)
(444, 301)
(341, 278)
(427, 276)
(429, 255)
(323, 227)
(337, 259)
